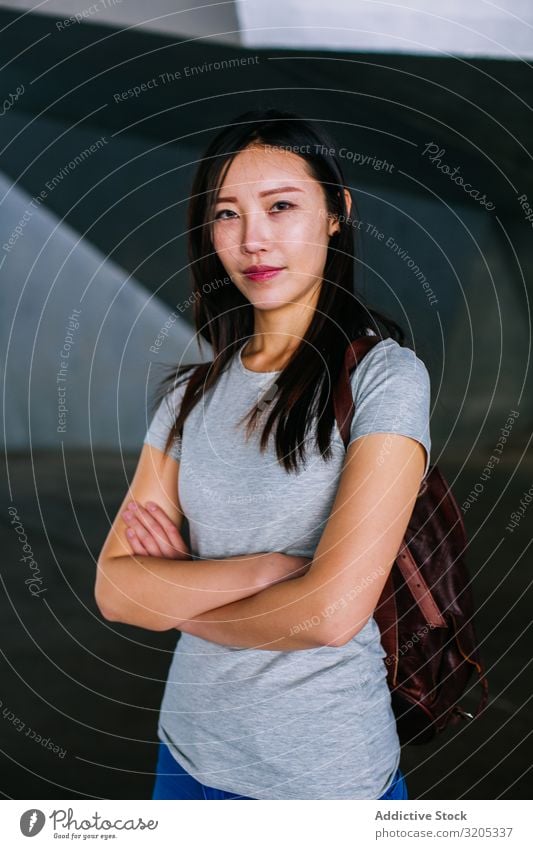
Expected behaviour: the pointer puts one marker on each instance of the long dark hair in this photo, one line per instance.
(225, 318)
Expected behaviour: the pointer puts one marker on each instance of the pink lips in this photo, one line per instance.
(260, 273)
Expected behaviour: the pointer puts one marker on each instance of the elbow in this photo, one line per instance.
(336, 633)
(103, 593)
(333, 640)
(113, 613)
(115, 605)
(107, 594)
(108, 614)
(106, 611)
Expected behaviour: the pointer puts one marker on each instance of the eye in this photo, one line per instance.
(287, 204)
(217, 216)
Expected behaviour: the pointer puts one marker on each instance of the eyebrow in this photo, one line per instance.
(261, 194)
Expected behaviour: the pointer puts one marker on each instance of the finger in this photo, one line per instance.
(146, 539)
(167, 534)
(144, 523)
(151, 523)
(142, 539)
(157, 512)
(135, 544)
(137, 517)
(143, 535)
(172, 532)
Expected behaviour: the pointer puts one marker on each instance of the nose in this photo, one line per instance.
(255, 234)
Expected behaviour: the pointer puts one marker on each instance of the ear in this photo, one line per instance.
(348, 200)
(335, 225)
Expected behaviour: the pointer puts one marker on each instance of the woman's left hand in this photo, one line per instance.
(151, 532)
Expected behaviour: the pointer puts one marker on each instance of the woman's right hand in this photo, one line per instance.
(150, 532)
(155, 535)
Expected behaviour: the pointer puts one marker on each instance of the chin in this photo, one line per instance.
(268, 304)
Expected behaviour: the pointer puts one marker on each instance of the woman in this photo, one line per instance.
(277, 687)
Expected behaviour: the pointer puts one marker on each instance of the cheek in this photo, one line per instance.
(228, 254)
(223, 238)
(307, 245)
(307, 227)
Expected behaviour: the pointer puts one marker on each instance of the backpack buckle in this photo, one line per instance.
(423, 487)
(464, 713)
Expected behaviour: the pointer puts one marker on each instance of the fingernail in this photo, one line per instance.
(132, 505)
(151, 505)
(130, 533)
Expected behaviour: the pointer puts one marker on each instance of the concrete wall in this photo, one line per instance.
(98, 360)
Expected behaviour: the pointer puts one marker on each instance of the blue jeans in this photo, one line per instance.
(173, 782)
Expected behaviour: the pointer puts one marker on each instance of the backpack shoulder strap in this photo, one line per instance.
(419, 589)
(343, 404)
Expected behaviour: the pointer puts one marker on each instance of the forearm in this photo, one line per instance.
(158, 593)
(279, 618)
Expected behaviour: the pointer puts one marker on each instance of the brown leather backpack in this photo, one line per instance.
(425, 612)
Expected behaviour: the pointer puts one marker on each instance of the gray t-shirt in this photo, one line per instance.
(305, 724)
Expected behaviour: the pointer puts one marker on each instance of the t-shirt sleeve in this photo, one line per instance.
(162, 421)
(392, 393)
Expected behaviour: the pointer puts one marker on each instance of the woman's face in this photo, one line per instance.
(271, 212)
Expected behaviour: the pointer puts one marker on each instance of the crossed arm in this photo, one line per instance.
(336, 596)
